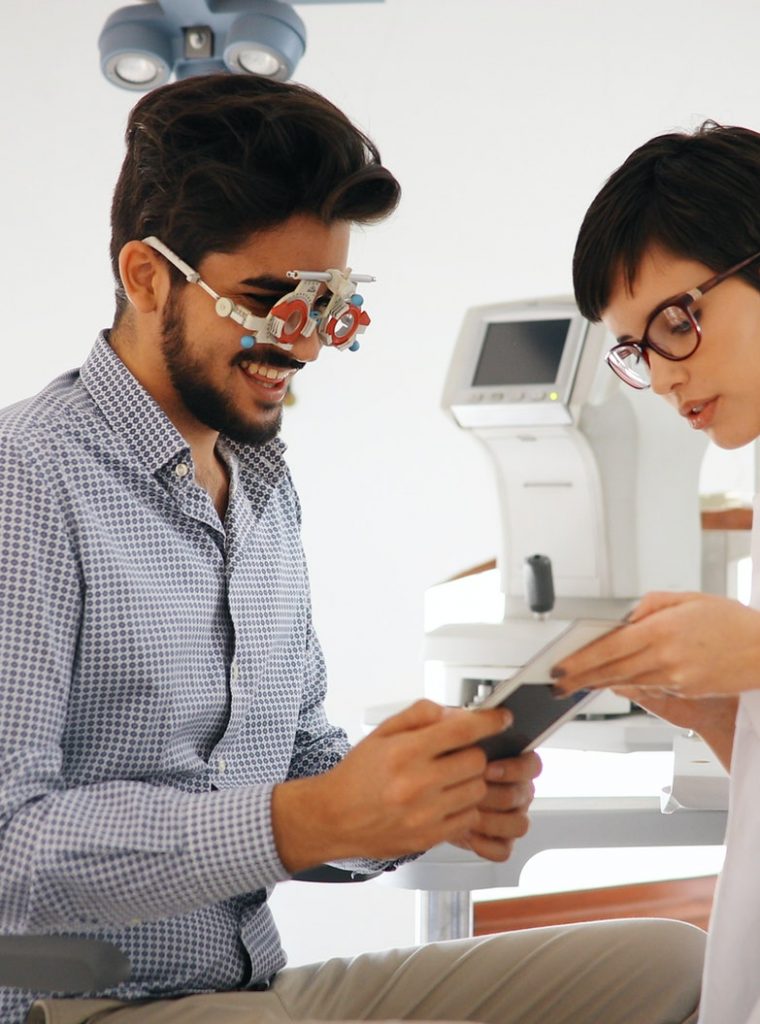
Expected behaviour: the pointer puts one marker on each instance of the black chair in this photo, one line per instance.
(60, 963)
(63, 963)
(329, 873)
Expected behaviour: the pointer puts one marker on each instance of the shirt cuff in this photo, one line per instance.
(231, 847)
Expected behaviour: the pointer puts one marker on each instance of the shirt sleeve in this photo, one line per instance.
(320, 746)
(107, 853)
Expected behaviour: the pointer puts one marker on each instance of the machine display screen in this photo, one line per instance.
(521, 352)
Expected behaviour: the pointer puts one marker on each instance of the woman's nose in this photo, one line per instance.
(666, 374)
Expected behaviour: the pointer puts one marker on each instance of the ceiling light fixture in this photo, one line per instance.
(143, 45)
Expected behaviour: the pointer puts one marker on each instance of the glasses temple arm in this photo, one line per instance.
(184, 268)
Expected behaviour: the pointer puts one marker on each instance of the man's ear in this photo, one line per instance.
(145, 277)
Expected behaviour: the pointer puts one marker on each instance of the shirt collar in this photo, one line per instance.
(134, 415)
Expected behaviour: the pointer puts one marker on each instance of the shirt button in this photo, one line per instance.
(234, 671)
(181, 470)
(221, 766)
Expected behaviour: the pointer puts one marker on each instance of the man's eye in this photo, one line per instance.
(260, 304)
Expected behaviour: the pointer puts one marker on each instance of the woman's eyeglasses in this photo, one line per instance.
(672, 331)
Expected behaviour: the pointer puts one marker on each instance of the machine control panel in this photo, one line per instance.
(516, 364)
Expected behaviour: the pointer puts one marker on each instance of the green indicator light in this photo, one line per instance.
(553, 396)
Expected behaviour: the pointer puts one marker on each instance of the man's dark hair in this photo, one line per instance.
(695, 195)
(213, 159)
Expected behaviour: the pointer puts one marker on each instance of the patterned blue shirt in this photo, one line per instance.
(160, 674)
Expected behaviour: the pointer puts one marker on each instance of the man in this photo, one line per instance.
(668, 256)
(167, 756)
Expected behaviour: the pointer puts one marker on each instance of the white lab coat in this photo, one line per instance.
(731, 990)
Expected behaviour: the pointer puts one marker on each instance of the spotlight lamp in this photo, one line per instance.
(143, 45)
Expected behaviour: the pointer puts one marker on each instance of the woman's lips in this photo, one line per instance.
(700, 414)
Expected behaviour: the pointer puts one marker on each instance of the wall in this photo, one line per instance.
(501, 118)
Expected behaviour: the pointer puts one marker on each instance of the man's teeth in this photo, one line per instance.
(697, 408)
(265, 372)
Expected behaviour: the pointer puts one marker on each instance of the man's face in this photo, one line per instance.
(717, 389)
(222, 386)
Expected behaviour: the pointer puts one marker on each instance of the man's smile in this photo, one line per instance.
(267, 376)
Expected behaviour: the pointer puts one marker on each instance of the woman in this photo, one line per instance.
(668, 257)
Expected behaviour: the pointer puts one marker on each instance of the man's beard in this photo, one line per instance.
(209, 405)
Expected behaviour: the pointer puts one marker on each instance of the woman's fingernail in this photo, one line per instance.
(557, 672)
(558, 692)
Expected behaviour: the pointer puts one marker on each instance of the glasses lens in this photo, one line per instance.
(345, 325)
(673, 333)
(630, 365)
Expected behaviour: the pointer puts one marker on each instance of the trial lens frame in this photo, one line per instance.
(293, 315)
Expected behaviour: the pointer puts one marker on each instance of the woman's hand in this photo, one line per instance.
(713, 718)
(687, 645)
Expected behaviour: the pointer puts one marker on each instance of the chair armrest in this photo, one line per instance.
(60, 963)
(329, 873)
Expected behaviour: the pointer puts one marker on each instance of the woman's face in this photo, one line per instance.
(717, 389)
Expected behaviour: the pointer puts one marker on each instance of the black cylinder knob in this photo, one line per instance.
(539, 583)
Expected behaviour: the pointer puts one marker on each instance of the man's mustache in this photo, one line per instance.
(268, 356)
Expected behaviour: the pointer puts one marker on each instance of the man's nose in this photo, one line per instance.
(306, 349)
(666, 374)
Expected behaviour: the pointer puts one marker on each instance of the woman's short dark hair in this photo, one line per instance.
(213, 159)
(695, 195)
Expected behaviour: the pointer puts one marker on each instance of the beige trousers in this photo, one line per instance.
(609, 972)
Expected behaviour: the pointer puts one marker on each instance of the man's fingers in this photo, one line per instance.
(459, 766)
(461, 797)
(508, 798)
(462, 728)
(417, 716)
(489, 848)
(503, 826)
(515, 769)
(448, 728)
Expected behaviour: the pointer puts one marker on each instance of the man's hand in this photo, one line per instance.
(417, 780)
(504, 809)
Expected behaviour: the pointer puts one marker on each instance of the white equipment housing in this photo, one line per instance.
(582, 477)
